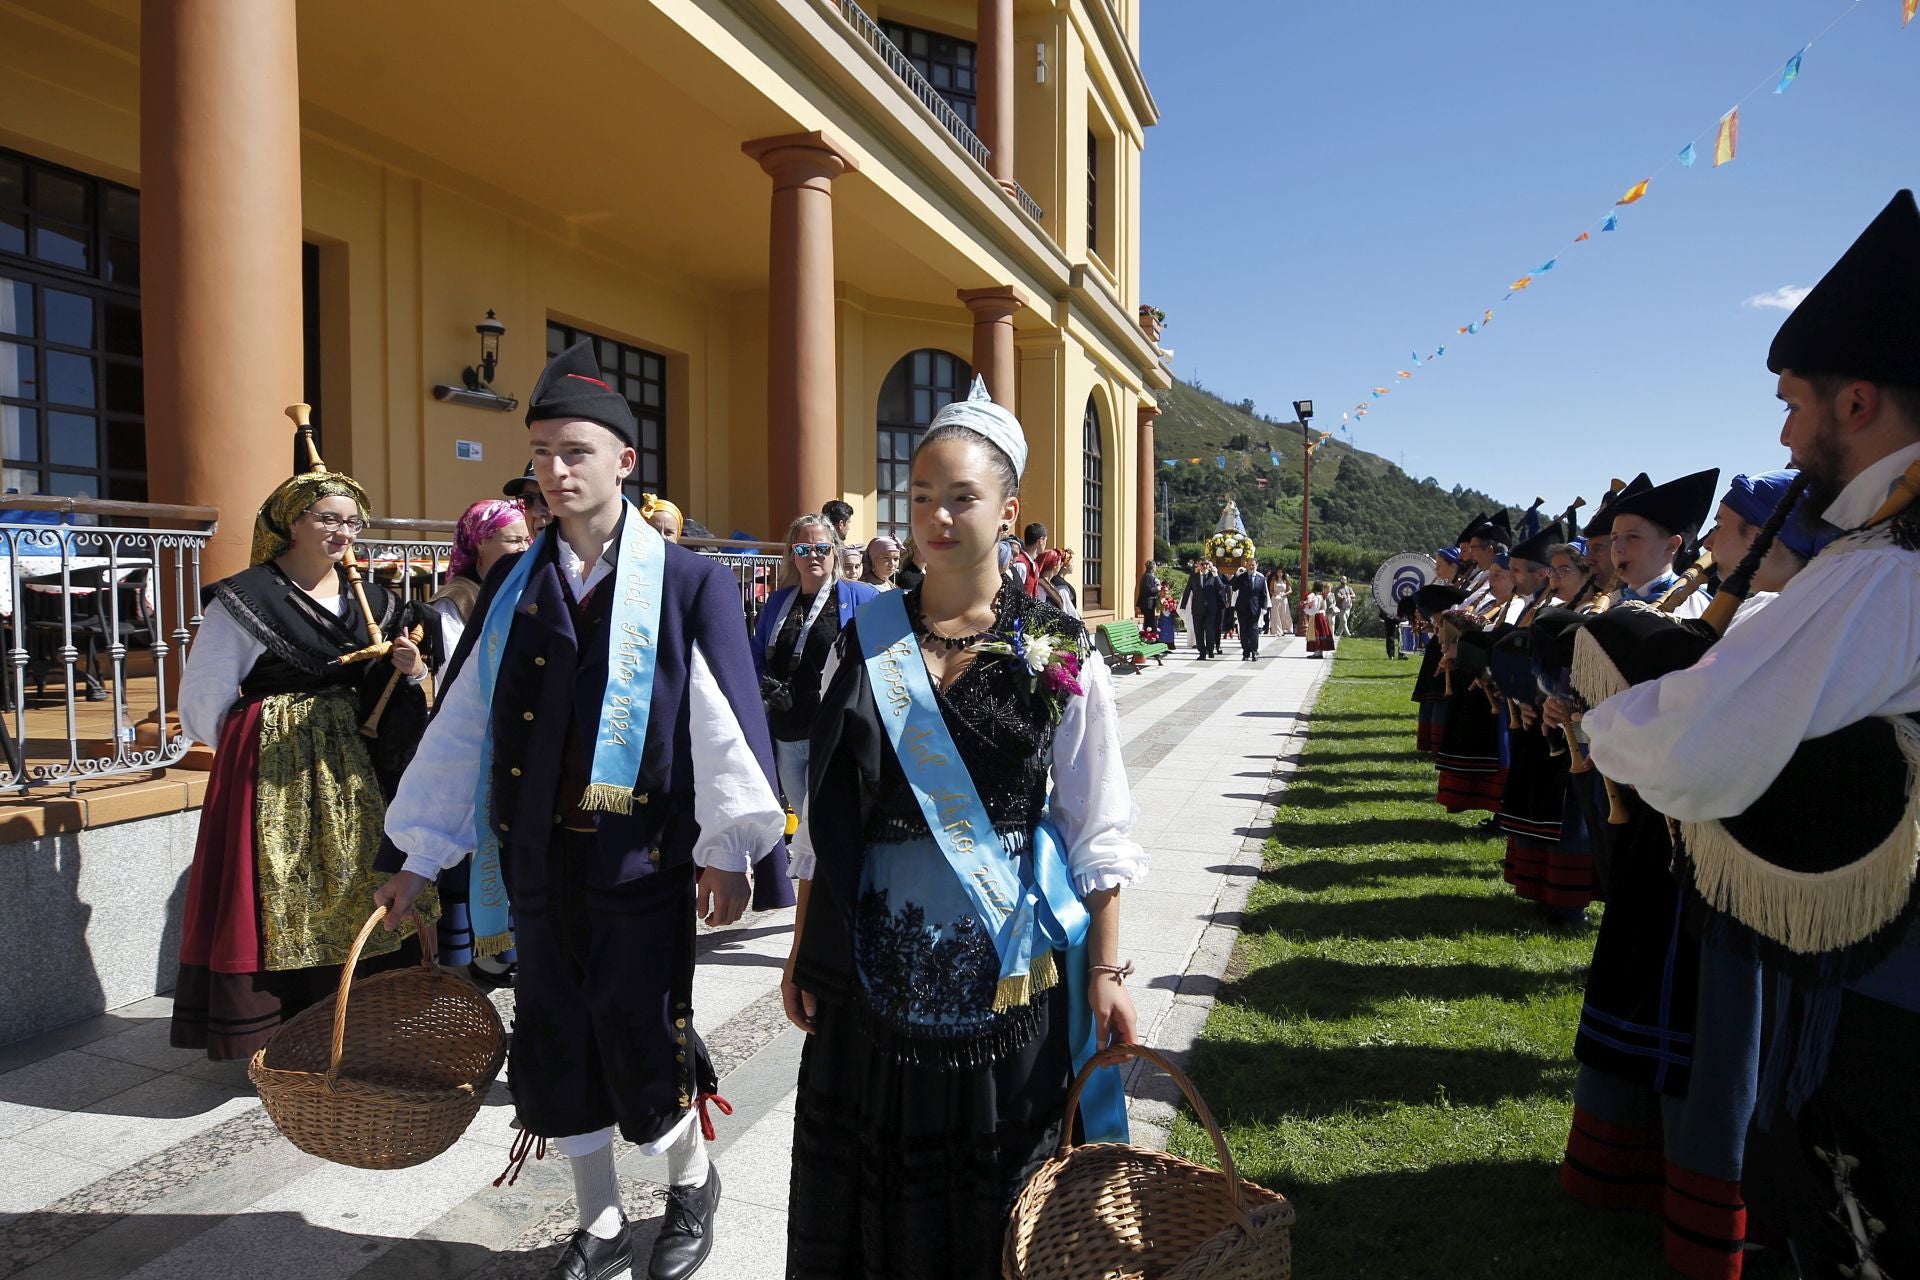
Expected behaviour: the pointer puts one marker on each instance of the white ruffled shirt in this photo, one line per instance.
(432, 817)
(1840, 643)
(1092, 802)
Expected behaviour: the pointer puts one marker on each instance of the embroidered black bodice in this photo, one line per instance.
(1002, 729)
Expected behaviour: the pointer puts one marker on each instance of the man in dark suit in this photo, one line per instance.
(1249, 598)
(1206, 600)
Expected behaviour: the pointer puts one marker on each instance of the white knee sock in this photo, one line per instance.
(687, 1162)
(596, 1188)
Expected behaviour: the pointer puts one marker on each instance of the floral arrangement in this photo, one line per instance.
(1167, 603)
(1052, 660)
(1230, 548)
(1155, 314)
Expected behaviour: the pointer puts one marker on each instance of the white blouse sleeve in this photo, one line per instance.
(452, 625)
(800, 859)
(1092, 802)
(432, 816)
(222, 654)
(740, 817)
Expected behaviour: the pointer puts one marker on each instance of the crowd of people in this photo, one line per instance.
(574, 753)
(1717, 740)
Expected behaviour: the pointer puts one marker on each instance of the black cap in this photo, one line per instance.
(1602, 523)
(520, 484)
(571, 386)
(1535, 548)
(1436, 598)
(1472, 524)
(1863, 319)
(1678, 506)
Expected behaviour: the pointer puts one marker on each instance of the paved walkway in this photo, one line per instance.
(125, 1157)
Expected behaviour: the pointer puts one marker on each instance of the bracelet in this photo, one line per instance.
(1120, 971)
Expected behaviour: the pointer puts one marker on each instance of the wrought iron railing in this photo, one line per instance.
(87, 582)
(411, 556)
(920, 87)
(755, 567)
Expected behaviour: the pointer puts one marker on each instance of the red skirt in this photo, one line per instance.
(1321, 640)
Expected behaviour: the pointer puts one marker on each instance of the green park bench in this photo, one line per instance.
(1120, 644)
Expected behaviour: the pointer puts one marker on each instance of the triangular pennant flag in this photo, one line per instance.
(1487, 318)
(1462, 329)
(1519, 284)
(1472, 328)
(1362, 413)
(1729, 139)
(1380, 391)
(1611, 224)
(1634, 192)
(1194, 461)
(1169, 462)
(1584, 235)
(1686, 156)
(1548, 267)
(1416, 359)
(1275, 458)
(1403, 374)
(1907, 12)
(1442, 351)
(1792, 70)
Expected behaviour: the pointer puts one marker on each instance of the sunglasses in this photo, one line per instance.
(813, 550)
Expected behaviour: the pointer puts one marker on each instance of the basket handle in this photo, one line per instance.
(427, 961)
(1115, 1055)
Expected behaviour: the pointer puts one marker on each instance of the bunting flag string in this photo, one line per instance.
(1726, 142)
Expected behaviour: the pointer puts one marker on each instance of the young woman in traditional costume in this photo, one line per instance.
(957, 950)
(1319, 627)
(283, 873)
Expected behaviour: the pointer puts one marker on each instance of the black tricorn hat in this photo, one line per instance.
(1436, 598)
(1535, 548)
(1678, 506)
(1602, 522)
(520, 484)
(571, 387)
(1863, 319)
(1472, 524)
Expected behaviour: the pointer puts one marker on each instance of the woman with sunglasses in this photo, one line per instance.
(796, 633)
(283, 867)
(966, 757)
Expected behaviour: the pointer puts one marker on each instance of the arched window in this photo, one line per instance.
(919, 386)
(1093, 507)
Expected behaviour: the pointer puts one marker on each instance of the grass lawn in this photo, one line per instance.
(1392, 1047)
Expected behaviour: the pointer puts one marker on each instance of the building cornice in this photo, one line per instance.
(1119, 51)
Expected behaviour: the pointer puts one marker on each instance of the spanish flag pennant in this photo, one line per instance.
(1487, 318)
(1584, 235)
(1723, 146)
(1194, 461)
(1403, 374)
(1463, 328)
(1381, 391)
(1520, 284)
(1907, 12)
(1634, 192)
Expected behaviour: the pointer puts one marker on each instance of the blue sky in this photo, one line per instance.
(1333, 185)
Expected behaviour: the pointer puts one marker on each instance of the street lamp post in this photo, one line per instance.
(1303, 410)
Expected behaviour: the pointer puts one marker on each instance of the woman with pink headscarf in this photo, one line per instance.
(487, 530)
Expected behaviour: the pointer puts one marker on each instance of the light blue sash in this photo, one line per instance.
(1015, 913)
(620, 744)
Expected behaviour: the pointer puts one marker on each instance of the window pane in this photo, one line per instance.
(73, 440)
(69, 317)
(650, 395)
(922, 406)
(56, 196)
(126, 446)
(16, 307)
(69, 379)
(650, 435)
(630, 361)
(20, 433)
(127, 489)
(123, 328)
(21, 481)
(556, 340)
(13, 184)
(923, 367)
(123, 261)
(16, 372)
(123, 213)
(13, 232)
(70, 486)
(126, 388)
(62, 245)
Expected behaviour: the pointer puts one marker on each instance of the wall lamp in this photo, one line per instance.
(1040, 63)
(476, 389)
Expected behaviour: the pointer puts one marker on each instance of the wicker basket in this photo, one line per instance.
(1107, 1211)
(425, 1047)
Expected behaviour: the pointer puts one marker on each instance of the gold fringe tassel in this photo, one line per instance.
(604, 797)
(1595, 677)
(1041, 976)
(1812, 912)
(492, 945)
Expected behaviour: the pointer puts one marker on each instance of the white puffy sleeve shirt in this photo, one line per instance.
(1839, 644)
(1091, 801)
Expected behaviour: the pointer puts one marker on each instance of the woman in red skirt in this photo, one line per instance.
(1319, 626)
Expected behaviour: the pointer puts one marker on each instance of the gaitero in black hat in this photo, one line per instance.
(1602, 523)
(1535, 548)
(1863, 319)
(1678, 506)
(572, 387)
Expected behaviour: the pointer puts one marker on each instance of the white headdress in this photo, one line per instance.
(980, 415)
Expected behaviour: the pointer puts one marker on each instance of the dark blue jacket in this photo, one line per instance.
(852, 596)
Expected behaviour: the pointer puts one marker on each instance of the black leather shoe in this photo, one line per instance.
(489, 979)
(686, 1237)
(587, 1257)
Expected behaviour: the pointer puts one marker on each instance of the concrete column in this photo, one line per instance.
(994, 357)
(802, 373)
(1147, 468)
(220, 232)
(993, 72)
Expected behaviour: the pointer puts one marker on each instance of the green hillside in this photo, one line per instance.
(1365, 508)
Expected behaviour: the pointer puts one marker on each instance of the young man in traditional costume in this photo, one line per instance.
(601, 740)
(1649, 529)
(1788, 758)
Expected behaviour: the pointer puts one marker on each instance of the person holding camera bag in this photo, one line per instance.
(796, 632)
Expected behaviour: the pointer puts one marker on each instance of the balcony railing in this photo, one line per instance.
(88, 583)
(902, 66)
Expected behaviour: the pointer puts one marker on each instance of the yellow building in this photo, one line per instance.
(795, 225)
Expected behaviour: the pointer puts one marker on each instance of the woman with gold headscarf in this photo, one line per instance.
(663, 515)
(283, 868)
